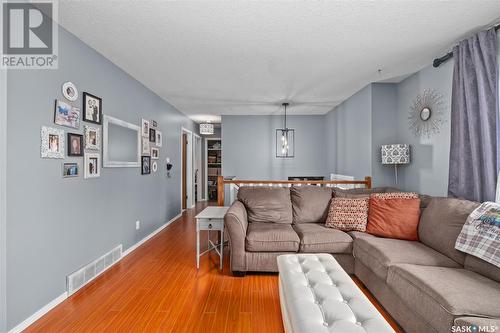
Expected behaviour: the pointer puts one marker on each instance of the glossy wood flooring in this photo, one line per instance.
(158, 289)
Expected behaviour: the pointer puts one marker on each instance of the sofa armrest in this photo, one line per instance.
(236, 224)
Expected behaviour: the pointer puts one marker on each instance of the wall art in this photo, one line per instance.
(145, 128)
(155, 153)
(69, 91)
(154, 166)
(159, 139)
(92, 165)
(92, 137)
(145, 165)
(145, 146)
(92, 108)
(152, 135)
(70, 170)
(66, 115)
(75, 144)
(52, 142)
(155, 124)
(426, 115)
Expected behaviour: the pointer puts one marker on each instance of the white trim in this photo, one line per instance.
(52, 304)
(189, 167)
(148, 237)
(107, 163)
(37, 315)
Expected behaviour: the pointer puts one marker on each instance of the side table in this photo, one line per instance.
(210, 219)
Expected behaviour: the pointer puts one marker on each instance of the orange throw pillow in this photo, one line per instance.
(394, 218)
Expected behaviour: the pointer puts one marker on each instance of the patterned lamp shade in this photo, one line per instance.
(395, 154)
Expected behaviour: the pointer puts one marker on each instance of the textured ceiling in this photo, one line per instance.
(215, 58)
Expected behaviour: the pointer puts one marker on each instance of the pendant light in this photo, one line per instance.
(285, 139)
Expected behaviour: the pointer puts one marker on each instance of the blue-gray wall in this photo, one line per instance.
(348, 134)
(249, 147)
(56, 225)
(428, 170)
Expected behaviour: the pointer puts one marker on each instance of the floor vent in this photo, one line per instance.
(90, 271)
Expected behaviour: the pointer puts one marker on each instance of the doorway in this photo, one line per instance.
(187, 169)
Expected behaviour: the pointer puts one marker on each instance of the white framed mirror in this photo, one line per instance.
(121, 144)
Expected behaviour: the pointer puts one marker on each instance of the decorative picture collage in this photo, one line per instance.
(151, 140)
(57, 144)
(54, 142)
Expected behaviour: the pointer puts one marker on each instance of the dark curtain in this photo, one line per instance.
(474, 112)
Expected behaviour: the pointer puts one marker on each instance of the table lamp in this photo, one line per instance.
(395, 154)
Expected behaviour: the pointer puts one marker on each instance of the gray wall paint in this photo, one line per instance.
(249, 147)
(348, 131)
(428, 170)
(384, 130)
(56, 225)
(3, 202)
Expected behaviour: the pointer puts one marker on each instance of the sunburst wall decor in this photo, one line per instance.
(427, 113)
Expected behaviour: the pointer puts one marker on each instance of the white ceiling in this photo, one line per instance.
(215, 58)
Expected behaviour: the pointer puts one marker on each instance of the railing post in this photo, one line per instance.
(368, 181)
(220, 190)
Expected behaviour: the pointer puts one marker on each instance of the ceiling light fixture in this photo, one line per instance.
(206, 129)
(285, 139)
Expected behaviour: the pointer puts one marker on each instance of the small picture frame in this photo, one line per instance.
(154, 166)
(155, 153)
(159, 139)
(69, 91)
(75, 144)
(152, 135)
(145, 165)
(92, 108)
(92, 165)
(92, 137)
(66, 115)
(52, 142)
(145, 128)
(155, 124)
(70, 170)
(145, 146)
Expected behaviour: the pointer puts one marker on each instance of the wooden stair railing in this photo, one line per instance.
(221, 182)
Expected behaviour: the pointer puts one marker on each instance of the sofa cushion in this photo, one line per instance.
(316, 238)
(267, 204)
(440, 294)
(394, 217)
(380, 253)
(271, 237)
(340, 193)
(310, 203)
(359, 234)
(441, 222)
(348, 214)
(482, 267)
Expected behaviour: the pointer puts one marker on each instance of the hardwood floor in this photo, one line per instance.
(158, 289)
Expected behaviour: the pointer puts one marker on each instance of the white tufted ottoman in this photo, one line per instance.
(317, 296)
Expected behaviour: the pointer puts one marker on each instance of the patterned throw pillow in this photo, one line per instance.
(395, 195)
(348, 214)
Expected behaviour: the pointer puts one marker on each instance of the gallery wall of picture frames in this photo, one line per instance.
(56, 144)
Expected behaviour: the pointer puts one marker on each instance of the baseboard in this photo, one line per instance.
(145, 239)
(52, 304)
(37, 315)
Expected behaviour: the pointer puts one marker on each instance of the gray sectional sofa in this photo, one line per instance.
(427, 286)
